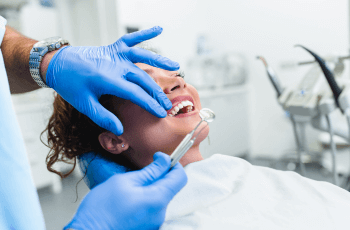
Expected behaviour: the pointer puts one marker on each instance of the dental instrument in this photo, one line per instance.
(272, 76)
(328, 74)
(279, 90)
(206, 115)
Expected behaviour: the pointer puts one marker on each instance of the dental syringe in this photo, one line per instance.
(206, 115)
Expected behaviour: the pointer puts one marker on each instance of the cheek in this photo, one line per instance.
(154, 136)
(147, 136)
(195, 96)
(146, 133)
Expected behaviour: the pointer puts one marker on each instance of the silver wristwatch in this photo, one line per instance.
(37, 53)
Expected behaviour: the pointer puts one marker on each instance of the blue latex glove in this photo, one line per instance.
(97, 168)
(82, 74)
(132, 200)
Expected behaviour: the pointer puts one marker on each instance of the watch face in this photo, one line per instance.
(41, 44)
(47, 42)
(53, 40)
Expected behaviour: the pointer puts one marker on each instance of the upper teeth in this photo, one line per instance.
(181, 105)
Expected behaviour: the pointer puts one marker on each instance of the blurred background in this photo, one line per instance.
(216, 44)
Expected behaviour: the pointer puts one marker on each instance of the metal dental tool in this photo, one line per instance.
(273, 77)
(206, 115)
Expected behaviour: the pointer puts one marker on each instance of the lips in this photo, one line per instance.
(183, 103)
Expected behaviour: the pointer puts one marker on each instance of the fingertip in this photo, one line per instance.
(156, 109)
(176, 65)
(157, 155)
(160, 156)
(105, 119)
(158, 29)
(169, 64)
(167, 103)
(115, 126)
(119, 131)
(164, 100)
(160, 112)
(172, 65)
(156, 170)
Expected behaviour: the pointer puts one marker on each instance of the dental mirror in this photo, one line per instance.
(207, 115)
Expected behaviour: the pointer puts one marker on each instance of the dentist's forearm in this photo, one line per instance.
(15, 49)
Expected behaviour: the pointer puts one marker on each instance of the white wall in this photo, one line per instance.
(38, 22)
(256, 27)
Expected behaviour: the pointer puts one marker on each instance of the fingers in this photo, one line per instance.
(104, 118)
(172, 182)
(137, 54)
(153, 171)
(142, 79)
(137, 95)
(140, 36)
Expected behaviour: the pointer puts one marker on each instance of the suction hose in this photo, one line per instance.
(327, 73)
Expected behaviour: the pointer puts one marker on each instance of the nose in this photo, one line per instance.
(172, 84)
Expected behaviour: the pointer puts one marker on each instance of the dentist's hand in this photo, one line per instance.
(82, 74)
(133, 200)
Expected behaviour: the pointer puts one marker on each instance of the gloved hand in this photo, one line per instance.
(132, 200)
(98, 168)
(82, 74)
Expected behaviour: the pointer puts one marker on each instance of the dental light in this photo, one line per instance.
(206, 115)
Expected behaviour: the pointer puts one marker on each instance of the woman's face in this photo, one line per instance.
(146, 134)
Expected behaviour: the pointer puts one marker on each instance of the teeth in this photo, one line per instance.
(181, 105)
(185, 103)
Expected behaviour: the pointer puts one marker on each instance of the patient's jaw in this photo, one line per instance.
(145, 134)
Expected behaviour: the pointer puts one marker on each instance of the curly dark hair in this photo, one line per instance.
(71, 134)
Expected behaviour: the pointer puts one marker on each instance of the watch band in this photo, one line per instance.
(38, 52)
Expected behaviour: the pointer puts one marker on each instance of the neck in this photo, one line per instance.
(192, 155)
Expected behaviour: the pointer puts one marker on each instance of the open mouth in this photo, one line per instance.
(182, 107)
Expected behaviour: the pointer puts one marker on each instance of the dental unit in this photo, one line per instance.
(206, 115)
(314, 100)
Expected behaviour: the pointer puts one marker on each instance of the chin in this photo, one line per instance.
(204, 132)
(193, 155)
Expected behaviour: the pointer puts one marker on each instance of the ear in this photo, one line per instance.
(112, 143)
